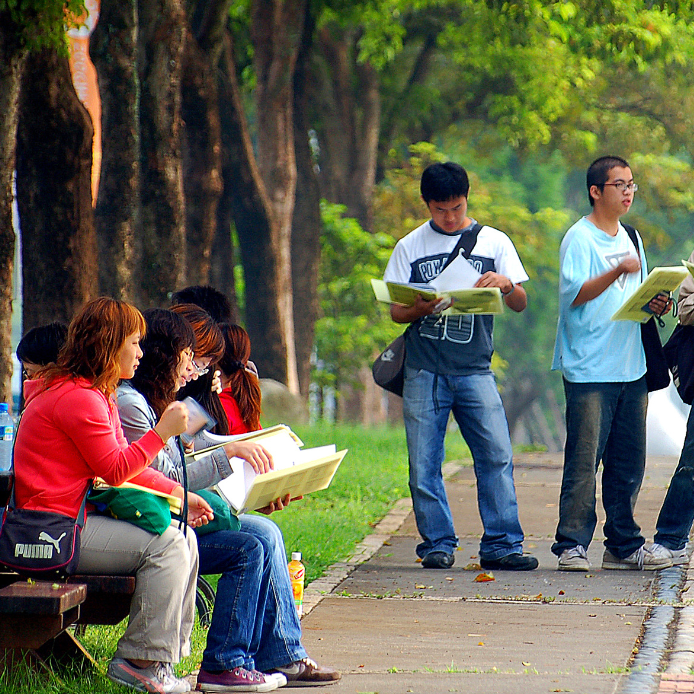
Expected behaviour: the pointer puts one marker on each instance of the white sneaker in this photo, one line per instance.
(677, 556)
(574, 559)
(641, 559)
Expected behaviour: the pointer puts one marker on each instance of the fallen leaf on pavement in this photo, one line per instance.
(484, 577)
(472, 567)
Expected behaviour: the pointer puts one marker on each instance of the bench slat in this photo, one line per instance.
(40, 597)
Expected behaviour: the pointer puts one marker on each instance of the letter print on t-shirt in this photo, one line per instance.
(458, 329)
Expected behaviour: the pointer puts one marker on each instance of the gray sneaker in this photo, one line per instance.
(158, 678)
(641, 559)
(574, 559)
(677, 556)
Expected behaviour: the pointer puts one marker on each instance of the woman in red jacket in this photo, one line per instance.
(70, 433)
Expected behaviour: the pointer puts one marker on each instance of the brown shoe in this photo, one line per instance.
(307, 673)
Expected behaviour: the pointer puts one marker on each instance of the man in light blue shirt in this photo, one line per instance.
(604, 366)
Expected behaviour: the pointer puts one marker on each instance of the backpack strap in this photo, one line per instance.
(465, 244)
(632, 235)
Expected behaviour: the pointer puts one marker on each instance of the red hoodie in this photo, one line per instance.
(70, 434)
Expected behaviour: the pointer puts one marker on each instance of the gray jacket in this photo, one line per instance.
(137, 418)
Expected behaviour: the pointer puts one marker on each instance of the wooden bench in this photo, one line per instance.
(34, 618)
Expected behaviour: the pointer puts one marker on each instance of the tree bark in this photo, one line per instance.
(276, 30)
(113, 47)
(306, 222)
(202, 137)
(244, 191)
(161, 41)
(350, 125)
(12, 56)
(54, 164)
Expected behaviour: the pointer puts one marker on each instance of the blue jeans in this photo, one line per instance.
(677, 513)
(477, 407)
(237, 619)
(280, 641)
(604, 421)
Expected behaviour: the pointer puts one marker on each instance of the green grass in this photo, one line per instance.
(325, 527)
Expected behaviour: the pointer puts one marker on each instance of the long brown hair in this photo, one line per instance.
(95, 338)
(208, 343)
(208, 339)
(244, 385)
(168, 334)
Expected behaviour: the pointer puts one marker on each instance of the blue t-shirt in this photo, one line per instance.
(591, 348)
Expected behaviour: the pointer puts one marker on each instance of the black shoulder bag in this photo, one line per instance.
(679, 352)
(657, 372)
(389, 367)
(41, 543)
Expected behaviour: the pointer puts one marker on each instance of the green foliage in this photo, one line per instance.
(41, 24)
(351, 327)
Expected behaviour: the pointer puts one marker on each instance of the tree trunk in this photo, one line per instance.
(306, 222)
(12, 55)
(245, 194)
(276, 31)
(161, 40)
(113, 47)
(351, 112)
(202, 137)
(54, 164)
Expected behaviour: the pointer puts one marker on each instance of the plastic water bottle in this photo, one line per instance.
(297, 573)
(6, 438)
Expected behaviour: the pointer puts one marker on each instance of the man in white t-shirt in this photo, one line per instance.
(448, 369)
(604, 366)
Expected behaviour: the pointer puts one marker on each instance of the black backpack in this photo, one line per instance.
(679, 352)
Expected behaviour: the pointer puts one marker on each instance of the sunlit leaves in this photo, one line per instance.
(42, 23)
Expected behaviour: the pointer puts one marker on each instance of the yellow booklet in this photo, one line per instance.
(297, 474)
(272, 437)
(480, 300)
(174, 502)
(659, 280)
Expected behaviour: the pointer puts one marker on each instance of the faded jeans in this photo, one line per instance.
(604, 421)
(280, 641)
(677, 513)
(239, 606)
(477, 407)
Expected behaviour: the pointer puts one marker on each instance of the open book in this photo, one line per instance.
(267, 437)
(297, 471)
(660, 280)
(480, 300)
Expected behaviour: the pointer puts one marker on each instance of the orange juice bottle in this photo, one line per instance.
(297, 573)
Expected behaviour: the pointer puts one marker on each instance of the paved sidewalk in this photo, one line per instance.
(392, 627)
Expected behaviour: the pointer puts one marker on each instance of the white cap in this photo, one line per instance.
(296, 556)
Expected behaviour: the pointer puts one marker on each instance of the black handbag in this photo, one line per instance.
(41, 543)
(657, 371)
(389, 367)
(679, 352)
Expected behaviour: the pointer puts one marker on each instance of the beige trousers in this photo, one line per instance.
(162, 608)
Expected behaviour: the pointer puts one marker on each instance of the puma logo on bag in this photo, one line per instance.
(47, 538)
(39, 551)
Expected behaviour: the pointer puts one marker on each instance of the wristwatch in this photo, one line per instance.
(513, 286)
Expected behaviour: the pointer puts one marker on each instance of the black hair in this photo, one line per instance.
(206, 297)
(168, 334)
(41, 345)
(442, 182)
(599, 172)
